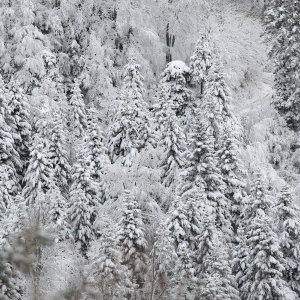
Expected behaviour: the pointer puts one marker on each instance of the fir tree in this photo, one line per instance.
(131, 129)
(213, 271)
(216, 102)
(184, 229)
(96, 154)
(77, 111)
(57, 212)
(173, 145)
(106, 271)
(9, 281)
(287, 213)
(131, 238)
(9, 159)
(206, 165)
(232, 174)
(38, 174)
(263, 276)
(174, 93)
(83, 207)
(283, 28)
(58, 154)
(18, 120)
(200, 63)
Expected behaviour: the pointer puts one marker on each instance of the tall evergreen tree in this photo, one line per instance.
(259, 261)
(18, 120)
(57, 213)
(263, 276)
(106, 271)
(131, 129)
(206, 164)
(232, 173)
(96, 154)
(287, 213)
(173, 91)
(39, 173)
(173, 147)
(184, 227)
(77, 111)
(9, 159)
(215, 102)
(283, 30)
(57, 152)
(131, 238)
(83, 206)
(200, 62)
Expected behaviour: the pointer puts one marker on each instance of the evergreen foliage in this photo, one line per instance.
(130, 130)
(131, 239)
(287, 213)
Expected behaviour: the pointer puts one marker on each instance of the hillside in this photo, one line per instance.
(149, 150)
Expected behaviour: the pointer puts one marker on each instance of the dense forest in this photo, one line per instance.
(149, 149)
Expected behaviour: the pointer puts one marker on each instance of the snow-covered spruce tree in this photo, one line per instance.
(214, 275)
(232, 173)
(83, 205)
(96, 154)
(9, 159)
(283, 30)
(9, 286)
(57, 213)
(256, 200)
(204, 167)
(173, 91)
(215, 102)
(18, 120)
(130, 130)
(58, 155)
(184, 228)
(173, 147)
(200, 62)
(288, 214)
(258, 257)
(107, 273)
(263, 275)
(39, 172)
(132, 242)
(77, 113)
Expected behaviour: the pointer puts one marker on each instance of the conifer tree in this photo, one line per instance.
(174, 93)
(263, 276)
(213, 271)
(215, 102)
(206, 164)
(200, 62)
(58, 154)
(9, 159)
(232, 174)
(287, 213)
(131, 128)
(83, 207)
(283, 28)
(173, 145)
(106, 271)
(9, 286)
(57, 212)
(18, 120)
(131, 238)
(77, 111)
(184, 227)
(96, 154)
(39, 173)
